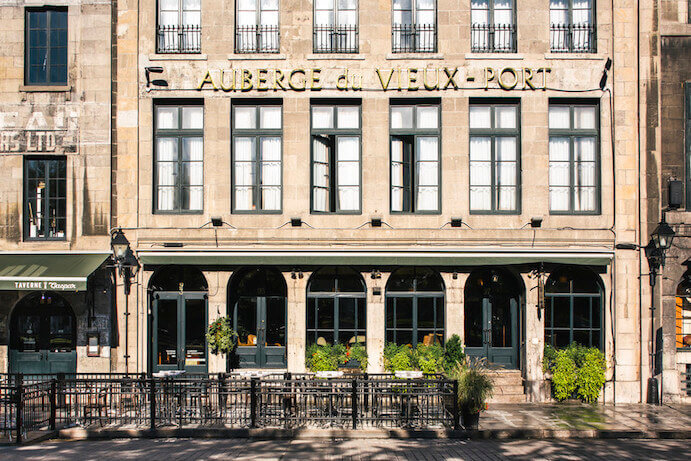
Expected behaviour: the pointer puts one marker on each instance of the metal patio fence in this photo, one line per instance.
(224, 401)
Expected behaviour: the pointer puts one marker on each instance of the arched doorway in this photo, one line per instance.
(415, 306)
(257, 306)
(491, 303)
(683, 313)
(179, 323)
(573, 307)
(336, 307)
(43, 335)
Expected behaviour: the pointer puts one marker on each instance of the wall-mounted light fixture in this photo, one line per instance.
(376, 221)
(216, 221)
(456, 222)
(536, 221)
(296, 222)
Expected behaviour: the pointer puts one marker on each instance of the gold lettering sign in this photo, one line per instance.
(395, 79)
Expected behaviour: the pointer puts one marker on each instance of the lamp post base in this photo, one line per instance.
(653, 392)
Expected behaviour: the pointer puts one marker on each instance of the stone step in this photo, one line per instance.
(511, 398)
(507, 380)
(509, 390)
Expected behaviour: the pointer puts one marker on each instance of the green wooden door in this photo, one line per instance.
(261, 325)
(491, 327)
(179, 332)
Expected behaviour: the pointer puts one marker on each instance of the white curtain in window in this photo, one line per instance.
(427, 116)
(270, 117)
(397, 178)
(480, 173)
(559, 166)
(167, 156)
(584, 117)
(584, 174)
(559, 117)
(271, 173)
(193, 155)
(479, 18)
(427, 164)
(503, 19)
(192, 118)
(348, 173)
(425, 10)
(582, 11)
(320, 174)
(559, 12)
(191, 12)
(505, 117)
(506, 172)
(244, 172)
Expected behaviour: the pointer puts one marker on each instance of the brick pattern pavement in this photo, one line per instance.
(376, 449)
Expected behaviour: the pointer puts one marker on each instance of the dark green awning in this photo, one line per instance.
(376, 258)
(48, 271)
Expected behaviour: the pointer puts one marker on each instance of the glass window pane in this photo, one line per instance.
(401, 117)
(480, 117)
(192, 118)
(404, 313)
(270, 117)
(561, 312)
(349, 117)
(322, 117)
(427, 148)
(505, 116)
(166, 117)
(584, 117)
(559, 117)
(245, 117)
(427, 116)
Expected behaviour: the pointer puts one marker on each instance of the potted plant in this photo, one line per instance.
(221, 337)
(356, 357)
(474, 388)
(325, 358)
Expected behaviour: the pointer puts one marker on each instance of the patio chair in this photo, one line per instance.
(96, 401)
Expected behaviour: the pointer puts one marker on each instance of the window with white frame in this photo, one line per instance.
(179, 157)
(414, 28)
(179, 26)
(494, 157)
(335, 26)
(572, 26)
(257, 153)
(415, 158)
(256, 26)
(336, 158)
(573, 158)
(492, 28)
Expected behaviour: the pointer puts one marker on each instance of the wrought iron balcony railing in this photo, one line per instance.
(493, 38)
(414, 38)
(572, 38)
(179, 39)
(257, 39)
(336, 39)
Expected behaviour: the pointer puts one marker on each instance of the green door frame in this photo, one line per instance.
(180, 298)
(505, 356)
(261, 355)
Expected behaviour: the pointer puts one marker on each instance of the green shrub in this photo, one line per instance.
(591, 375)
(397, 358)
(325, 358)
(577, 371)
(358, 352)
(454, 353)
(428, 359)
(474, 385)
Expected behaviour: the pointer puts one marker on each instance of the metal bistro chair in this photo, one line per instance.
(96, 400)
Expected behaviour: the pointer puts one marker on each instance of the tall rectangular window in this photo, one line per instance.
(572, 26)
(336, 26)
(45, 198)
(336, 158)
(256, 26)
(494, 157)
(179, 157)
(492, 28)
(179, 26)
(257, 172)
(415, 158)
(574, 158)
(414, 28)
(45, 59)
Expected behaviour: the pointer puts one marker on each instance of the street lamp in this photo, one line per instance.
(128, 266)
(655, 251)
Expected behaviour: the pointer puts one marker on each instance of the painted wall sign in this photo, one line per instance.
(30, 130)
(394, 79)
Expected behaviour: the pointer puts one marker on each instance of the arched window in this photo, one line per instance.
(415, 306)
(178, 278)
(336, 307)
(683, 313)
(573, 308)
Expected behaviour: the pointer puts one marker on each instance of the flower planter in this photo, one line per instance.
(470, 420)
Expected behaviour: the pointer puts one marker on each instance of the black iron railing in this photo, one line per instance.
(179, 39)
(257, 39)
(493, 38)
(414, 38)
(572, 38)
(336, 39)
(225, 401)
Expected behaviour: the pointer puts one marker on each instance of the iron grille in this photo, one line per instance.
(412, 38)
(572, 38)
(257, 39)
(179, 39)
(336, 39)
(493, 38)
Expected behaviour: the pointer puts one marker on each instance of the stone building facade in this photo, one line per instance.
(55, 110)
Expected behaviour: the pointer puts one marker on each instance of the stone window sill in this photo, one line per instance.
(497, 56)
(335, 57)
(416, 56)
(45, 88)
(177, 57)
(257, 57)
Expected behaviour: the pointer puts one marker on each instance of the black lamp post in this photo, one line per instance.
(128, 266)
(660, 241)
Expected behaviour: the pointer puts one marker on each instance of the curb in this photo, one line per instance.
(283, 434)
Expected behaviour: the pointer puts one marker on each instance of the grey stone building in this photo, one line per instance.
(56, 292)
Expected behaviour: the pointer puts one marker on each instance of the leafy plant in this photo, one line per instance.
(358, 352)
(221, 337)
(454, 353)
(474, 384)
(397, 358)
(577, 371)
(325, 358)
(428, 359)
